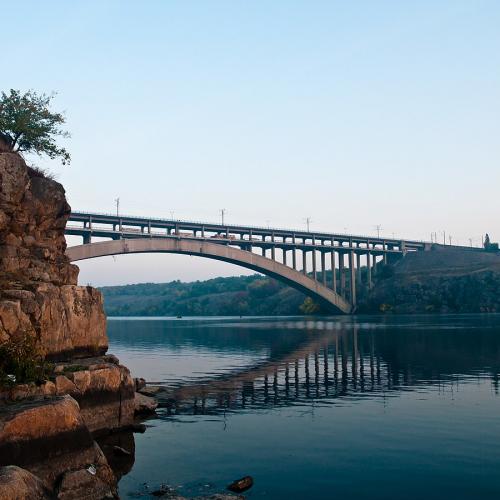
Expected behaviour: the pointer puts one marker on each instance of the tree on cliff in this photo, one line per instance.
(27, 124)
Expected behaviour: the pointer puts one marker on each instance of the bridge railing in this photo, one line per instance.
(238, 228)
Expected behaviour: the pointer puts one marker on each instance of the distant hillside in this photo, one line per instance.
(235, 296)
(442, 280)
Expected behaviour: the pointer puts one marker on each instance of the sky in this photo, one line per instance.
(355, 114)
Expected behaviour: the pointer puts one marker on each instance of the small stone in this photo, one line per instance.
(240, 485)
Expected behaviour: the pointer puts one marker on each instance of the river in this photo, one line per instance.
(340, 407)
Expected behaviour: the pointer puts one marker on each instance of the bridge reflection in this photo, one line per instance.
(335, 367)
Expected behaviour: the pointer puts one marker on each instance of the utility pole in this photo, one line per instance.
(308, 223)
(172, 214)
(222, 213)
(378, 227)
(470, 241)
(444, 237)
(117, 202)
(450, 239)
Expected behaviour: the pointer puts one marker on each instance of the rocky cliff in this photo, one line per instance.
(39, 295)
(48, 422)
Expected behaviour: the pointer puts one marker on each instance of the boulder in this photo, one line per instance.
(48, 437)
(104, 390)
(20, 484)
(144, 405)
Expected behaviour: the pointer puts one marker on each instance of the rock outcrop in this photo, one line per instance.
(39, 295)
(48, 426)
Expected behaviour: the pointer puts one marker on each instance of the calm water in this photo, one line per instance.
(367, 407)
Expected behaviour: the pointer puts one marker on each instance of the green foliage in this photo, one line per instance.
(21, 362)
(488, 245)
(234, 296)
(29, 126)
(309, 306)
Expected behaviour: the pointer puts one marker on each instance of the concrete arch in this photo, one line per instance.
(292, 277)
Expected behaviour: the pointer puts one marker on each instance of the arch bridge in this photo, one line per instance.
(324, 266)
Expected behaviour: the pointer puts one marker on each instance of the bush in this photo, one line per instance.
(21, 362)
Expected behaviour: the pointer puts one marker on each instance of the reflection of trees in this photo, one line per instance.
(342, 363)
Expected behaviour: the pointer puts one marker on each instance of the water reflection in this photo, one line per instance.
(326, 362)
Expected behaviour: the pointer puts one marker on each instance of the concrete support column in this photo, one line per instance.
(304, 262)
(273, 248)
(358, 269)
(368, 270)
(314, 264)
(323, 268)
(87, 239)
(294, 258)
(352, 271)
(284, 256)
(334, 272)
(90, 222)
(385, 253)
(149, 227)
(342, 274)
(202, 231)
(120, 226)
(263, 251)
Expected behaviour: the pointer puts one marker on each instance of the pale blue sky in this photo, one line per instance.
(353, 113)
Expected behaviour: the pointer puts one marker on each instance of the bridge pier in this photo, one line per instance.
(334, 272)
(342, 274)
(304, 262)
(368, 270)
(87, 239)
(294, 258)
(352, 277)
(323, 268)
(358, 269)
(314, 265)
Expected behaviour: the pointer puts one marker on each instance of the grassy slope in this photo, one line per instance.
(442, 280)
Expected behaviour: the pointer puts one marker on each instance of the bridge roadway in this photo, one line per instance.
(354, 259)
